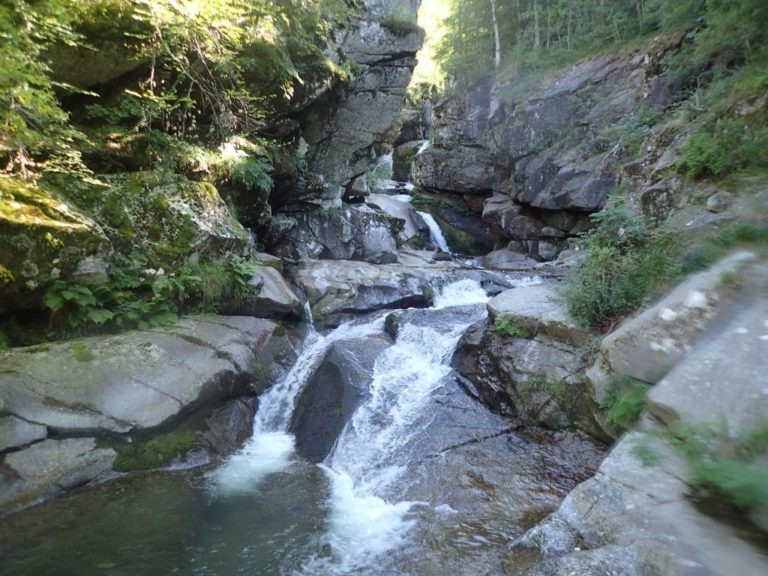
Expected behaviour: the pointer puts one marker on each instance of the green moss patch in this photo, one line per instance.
(157, 452)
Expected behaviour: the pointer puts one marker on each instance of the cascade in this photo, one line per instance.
(435, 233)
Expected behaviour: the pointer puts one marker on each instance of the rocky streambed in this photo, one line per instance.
(368, 456)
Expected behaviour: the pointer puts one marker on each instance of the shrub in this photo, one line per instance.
(625, 401)
(749, 234)
(629, 259)
(512, 327)
(723, 467)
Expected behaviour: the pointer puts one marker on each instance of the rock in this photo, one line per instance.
(165, 215)
(537, 380)
(467, 170)
(47, 468)
(340, 133)
(541, 310)
(351, 233)
(641, 520)
(605, 561)
(414, 226)
(659, 200)
(508, 260)
(722, 381)
(274, 298)
(91, 270)
(335, 390)
(719, 202)
(42, 238)
(647, 346)
(402, 158)
(340, 286)
(141, 380)
(15, 433)
(231, 425)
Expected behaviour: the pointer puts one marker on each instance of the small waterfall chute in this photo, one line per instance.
(435, 233)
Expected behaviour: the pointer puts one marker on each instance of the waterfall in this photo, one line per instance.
(423, 147)
(366, 518)
(435, 234)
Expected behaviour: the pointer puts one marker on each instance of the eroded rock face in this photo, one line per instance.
(536, 379)
(332, 394)
(350, 233)
(340, 131)
(545, 160)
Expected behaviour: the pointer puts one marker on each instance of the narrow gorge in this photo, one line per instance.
(383, 287)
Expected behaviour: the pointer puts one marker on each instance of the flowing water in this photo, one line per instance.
(421, 481)
(435, 233)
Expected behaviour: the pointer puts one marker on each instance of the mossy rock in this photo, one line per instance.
(158, 452)
(42, 237)
(163, 215)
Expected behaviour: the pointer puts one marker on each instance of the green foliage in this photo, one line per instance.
(624, 401)
(739, 234)
(136, 297)
(80, 352)
(31, 119)
(725, 146)
(730, 469)
(400, 23)
(512, 327)
(629, 259)
(155, 453)
(643, 451)
(5, 342)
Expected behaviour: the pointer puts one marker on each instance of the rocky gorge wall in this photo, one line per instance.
(536, 160)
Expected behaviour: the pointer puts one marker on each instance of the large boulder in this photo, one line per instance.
(537, 379)
(139, 381)
(415, 227)
(540, 310)
(335, 390)
(722, 381)
(68, 229)
(272, 297)
(47, 468)
(42, 238)
(349, 233)
(635, 519)
(339, 286)
(143, 393)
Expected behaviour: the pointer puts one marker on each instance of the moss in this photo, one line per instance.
(80, 353)
(157, 452)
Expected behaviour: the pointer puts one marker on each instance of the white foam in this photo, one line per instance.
(361, 528)
(265, 453)
(435, 234)
(460, 293)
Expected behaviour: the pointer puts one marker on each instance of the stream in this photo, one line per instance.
(423, 480)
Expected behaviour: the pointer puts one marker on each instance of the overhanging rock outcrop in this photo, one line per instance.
(340, 129)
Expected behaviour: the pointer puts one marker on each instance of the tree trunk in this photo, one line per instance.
(496, 41)
(536, 34)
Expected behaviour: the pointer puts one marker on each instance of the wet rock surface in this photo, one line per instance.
(333, 393)
(130, 383)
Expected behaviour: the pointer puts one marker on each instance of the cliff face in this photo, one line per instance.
(341, 128)
(545, 160)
